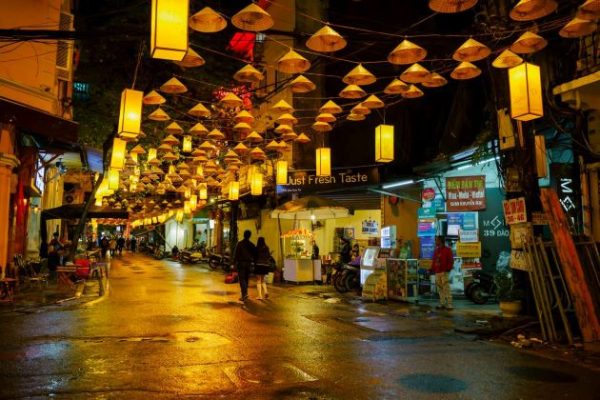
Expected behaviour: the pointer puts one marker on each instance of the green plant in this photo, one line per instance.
(505, 287)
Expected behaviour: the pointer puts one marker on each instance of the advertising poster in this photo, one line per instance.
(515, 211)
(426, 227)
(468, 250)
(465, 193)
(427, 247)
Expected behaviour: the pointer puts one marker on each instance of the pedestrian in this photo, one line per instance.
(244, 256)
(443, 262)
(54, 249)
(345, 253)
(315, 251)
(355, 250)
(262, 267)
(133, 243)
(120, 244)
(112, 244)
(104, 245)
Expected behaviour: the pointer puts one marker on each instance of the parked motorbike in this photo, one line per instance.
(222, 261)
(159, 252)
(347, 278)
(190, 256)
(482, 288)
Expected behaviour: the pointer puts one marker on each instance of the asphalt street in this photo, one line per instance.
(172, 331)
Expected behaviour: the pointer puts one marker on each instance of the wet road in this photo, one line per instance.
(167, 331)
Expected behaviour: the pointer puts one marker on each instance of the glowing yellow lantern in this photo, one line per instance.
(323, 161)
(117, 160)
(282, 172)
(193, 201)
(155, 220)
(384, 143)
(179, 215)
(187, 144)
(98, 202)
(525, 92)
(203, 191)
(130, 116)
(234, 190)
(187, 208)
(169, 29)
(187, 193)
(151, 154)
(113, 179)
(256, 184)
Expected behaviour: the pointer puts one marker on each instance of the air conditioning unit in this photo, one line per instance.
(64, 50)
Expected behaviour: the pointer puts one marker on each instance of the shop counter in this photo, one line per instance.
(301, 270)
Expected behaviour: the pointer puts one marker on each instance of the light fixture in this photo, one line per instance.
(326, 40)
(193, 201)
(525, 85)
(234, 190)
(113, 179)
(281, 172)
(256, 183)
(398, 184)
(202, 191)
(130, 116)
(169, 29)
(187, 144)
(117, 159)
(323, 158)
(384, 143)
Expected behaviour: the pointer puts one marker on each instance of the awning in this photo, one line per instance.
(74, 211)
(38, 122)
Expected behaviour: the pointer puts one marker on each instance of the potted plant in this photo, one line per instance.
(509, 297)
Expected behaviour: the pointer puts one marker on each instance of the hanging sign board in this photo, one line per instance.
(518, 260)
(370, 227)
(428, 194)
(520, 234)
(309, 182)
(465, 193)
(515, 211)
(468, 250)
(426, 212)
(468, 236)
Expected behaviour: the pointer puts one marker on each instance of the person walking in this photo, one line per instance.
(262, 267)
(120, 244)
(112, 244)
(243, 257)
(133, 243)
(443, 262)
(54, 250)
(104, 245)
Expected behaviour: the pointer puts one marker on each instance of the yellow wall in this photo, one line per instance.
(404, 216)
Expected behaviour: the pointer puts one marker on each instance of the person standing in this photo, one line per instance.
(315, 251)
(243, 257)
(133, 243)
(120, 244)
(443, 262)
(112, 244)
(104, 245)
(345, 253)
(54, 249)
(262, 267)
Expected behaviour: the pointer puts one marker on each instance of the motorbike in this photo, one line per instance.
(190, 256)
(222, 261)
(482, 288)
(347, 278)
(159, 252)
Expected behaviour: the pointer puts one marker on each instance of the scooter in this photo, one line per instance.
(190, 256)
(481, 288)
(216, 261)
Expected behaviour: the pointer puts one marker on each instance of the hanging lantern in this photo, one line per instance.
(231, 100)
(451, 6)
(169, 32)
(525, 85)
(326, 40)
(407, 53)
(187, 144)
(234, 190)
(151, 154)
(153, 98)
(373, 102)
(416, 73)
(159, 115)
(471, 50)
(282, 106)
(323, 158)
(528, 10)
(384, 143)
(252, 18)
(256, 183)
(207, 20)
(435, 80)
(281, 172)
(590, 10)
(173, 86)
(199, 110)
(202, 191)
(302, 138)
(302, 85)
(465, 70)
(359, 76)
(191, 60)
(396, 87)
(507, 59)
(292, 63)
(528, 43)
(355, 117)
(248, 74)
(117, 159)
(130, 116)
(193, 201)
(179, 216)
(352, 92)
(113, 179)
(578, 28)
(330, 107)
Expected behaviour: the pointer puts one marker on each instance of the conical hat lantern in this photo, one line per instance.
(396, 87)
(244, 116)
(248, 74)
(289, 136)
(451, 6)
(287, 119)
(242, 127)
(590, 10)
(282, 106)
(292, 63)
(240, 149)
(361, 109)
(272, 145)
(191, 59)
(159, 115)
(528, 10)
(257, 154)
(215, 134)
(416, 73)
(231, 100)
(330, 107)
(352, 92)
(412, 93)
(254, 137)
(301, 84)
(359, 76)
(302, 138)
(283, 128)
(578, 28)
(198, 130)
(507, 59)
(528, 43)
(174, 129)
(173, 86)
(373, 102)
(407, 53)
(355, 117)
(153, 98)
(170, 140)
(471, 50)
(435, 80)
(326, 40)
(207, 20)
(199, 110)
(326, 117)
(321, 126)
(465, 70)
(252, 18)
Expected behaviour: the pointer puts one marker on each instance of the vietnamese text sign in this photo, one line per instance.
(306, 182)
(465, 193)
(518, 260)
(515, 211)
(468, 250)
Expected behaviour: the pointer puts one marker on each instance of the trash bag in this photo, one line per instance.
(503, 262)
(231, 277)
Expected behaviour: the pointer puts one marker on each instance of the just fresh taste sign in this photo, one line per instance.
(310, 182)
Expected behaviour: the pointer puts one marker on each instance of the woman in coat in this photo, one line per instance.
(262, 267)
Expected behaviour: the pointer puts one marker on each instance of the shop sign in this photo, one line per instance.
(515, 211)
(427, 247)
(426, 227)
(520, 234)
(468, 236)
(308, 182)
(426, 213)
(465, 193)
(370, 227)
(518, 260)
(468, 250)
(539, 218)
(428, 194)
(458, 221)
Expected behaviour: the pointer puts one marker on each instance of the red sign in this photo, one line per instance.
(515, 211)
(428, 194)
(465, 193)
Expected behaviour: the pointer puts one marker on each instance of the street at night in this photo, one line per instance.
(168, 330)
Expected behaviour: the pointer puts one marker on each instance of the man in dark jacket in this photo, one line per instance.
(243, 257)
